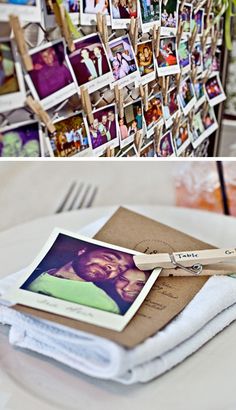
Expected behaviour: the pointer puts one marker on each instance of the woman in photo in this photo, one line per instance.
(123, 129)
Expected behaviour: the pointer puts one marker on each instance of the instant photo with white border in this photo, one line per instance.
(15, 99)
(49, 18)
(202, 99)
(121, 23)
(113, 143)
(214, 126)
(160, 121)
(146, 27)
(90, 19)
(146, 78)
(32, 14)
(169, 31)
(187, 68)
(130, 138)
(59, 95)
(200, 32)
(87, 152)
(199, 64)
(219, 98)
(172, 69)
(168, 118)
(17, 125)
(147, 146)
(171, 144)
(185, 144)
(129, 78)
(101, 81)
(73, 310)
(187, 33)
(193, 100)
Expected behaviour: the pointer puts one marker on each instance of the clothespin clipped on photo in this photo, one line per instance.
(214, 44)
(138, 140)
(20, 41)
(199, 6)
(206, 76)
(141, 91)
(110, 152)
(205, 108)
(37, 108)
(166, 88)
(156, 40)
(193, 75)
(181, 6)
(145, 97)
(178, 80)
(133, 33)
(203, 42)
(179, 33)
(190, 119)
(60, 15)
(192, 39)
(102, 28)
(119, 97)
(157, 137)
(86, 104)
(176, 124)
(208, 10)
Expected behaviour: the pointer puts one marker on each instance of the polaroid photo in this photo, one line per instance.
(71, 6)
(12, 87)
(165, 147)
(197, 134)
(216, 61)
(171, 109)
(154, 115)
(184, 57)
(182, 139)
(197, 57)
(200, 93)
(148, 151)
(131, 151)
(70, 138)
(150, 14)
(131, 123)
(209, 121)
(169, 17)
(103, 132)
(84, 279)
(26, 10)
(187, 97)
(51, 79)
(207, 59)
(198, 20)
(168, 60)
(185, 17)
(89, 10)
(214, 90)
(121, 12)
(24, 139)
(90, 63)
(145, 61)
(209, 27)
(123, 62)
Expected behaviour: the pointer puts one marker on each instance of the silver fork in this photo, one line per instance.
(79, 195)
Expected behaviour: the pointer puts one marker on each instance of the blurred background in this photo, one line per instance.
(30, 190)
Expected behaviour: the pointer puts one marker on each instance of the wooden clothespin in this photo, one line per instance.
(119, 97)
(138, 140)
(206, 76)
(179, 33)
(178, 80)
(176, 125)
(199, 6)
(110, 152)
(208, 10)
(181, 6)
(141, 91)
(133, 33)
(190, 118)
(60, 15)
(203, 42)
(157, 137)
(156, 40)
(192, 39)
(165, 91)
(193, 75)
(102, 28)
(37, 108)
(145, 97)
(20, 41)
(86, 104)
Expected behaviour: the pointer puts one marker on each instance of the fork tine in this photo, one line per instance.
(72, 204)
(92, 197)
(63, 203)
(82, 201)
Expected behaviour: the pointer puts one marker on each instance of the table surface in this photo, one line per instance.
(206, 380)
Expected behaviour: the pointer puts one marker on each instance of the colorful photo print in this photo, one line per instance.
(21, 140)
(207, 58)
(197, 57)
(27, 10)
(131, 123)
(150, 14)
(198, 19)
(214, 90)
(171, 109)
(209, 121)
(197, 134)
(122, 11)
(182, 140)
(51, 80)
(123, 61)
(199, 92)
(90, 63)
(103, 132)
(154, 114)
(145, 61)
(70, 137)
(185, 17)
(12, 90)
(186, 95)
(89, 10)
(71, 6)
(85, 279)
(165, 147)
(184, 56)
(131, 151)
(167, 60)
(148, 151)
(169, 17)
(216, 62)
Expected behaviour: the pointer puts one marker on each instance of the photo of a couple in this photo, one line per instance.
(122, 58)
(103, 128)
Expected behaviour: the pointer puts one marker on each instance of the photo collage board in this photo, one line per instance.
(135, 78)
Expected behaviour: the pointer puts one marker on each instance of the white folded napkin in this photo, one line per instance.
(211, 310)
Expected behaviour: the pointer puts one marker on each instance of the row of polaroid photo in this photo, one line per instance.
(57, 75)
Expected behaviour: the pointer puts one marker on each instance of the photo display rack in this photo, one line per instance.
(117, 78)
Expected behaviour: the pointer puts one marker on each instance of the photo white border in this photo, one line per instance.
(219, 98)
(23, 124)
(146, 27)
(32, 14)
(59, 95)
(99, 82)
(73, 310)
(15, 99)
(169, 70)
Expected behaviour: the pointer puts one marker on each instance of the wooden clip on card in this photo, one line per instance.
(133, 33)
(156, 40)
(39, 111)
(60, 15)
(86, 104)
(102, 28)
(20, 41)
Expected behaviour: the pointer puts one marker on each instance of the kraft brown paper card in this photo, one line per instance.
(167, 297)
